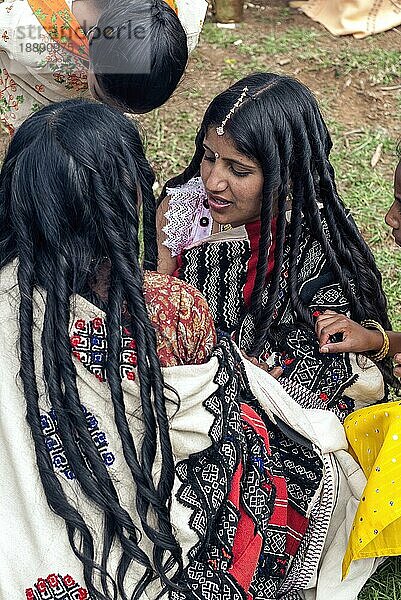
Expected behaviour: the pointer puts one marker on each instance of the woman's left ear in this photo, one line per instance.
(93, 86)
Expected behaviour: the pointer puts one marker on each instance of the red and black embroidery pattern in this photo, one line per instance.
(89, 343)
(238, 491)
(57, 587)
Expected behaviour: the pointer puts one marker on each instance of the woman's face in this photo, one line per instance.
(393, 217)
(233, 182)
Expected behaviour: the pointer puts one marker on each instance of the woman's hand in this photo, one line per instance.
(397, 365)
(355, 337)
(275, 372)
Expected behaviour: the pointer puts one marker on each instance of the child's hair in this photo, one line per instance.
(138, 53)
(69, 191)
(279, 124)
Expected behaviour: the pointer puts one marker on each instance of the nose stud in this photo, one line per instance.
(216, 155)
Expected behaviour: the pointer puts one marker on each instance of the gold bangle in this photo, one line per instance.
(382, 353)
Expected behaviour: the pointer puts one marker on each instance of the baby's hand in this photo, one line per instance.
(275, 372)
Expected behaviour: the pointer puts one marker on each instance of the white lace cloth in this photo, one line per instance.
(188, 218)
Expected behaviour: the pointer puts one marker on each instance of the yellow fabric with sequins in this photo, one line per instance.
(374, 436)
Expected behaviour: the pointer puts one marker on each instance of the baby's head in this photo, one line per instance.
(393, 216)
(138, 54)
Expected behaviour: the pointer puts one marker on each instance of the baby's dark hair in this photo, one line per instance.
(279, 125)
(69, 191)
(138, 54)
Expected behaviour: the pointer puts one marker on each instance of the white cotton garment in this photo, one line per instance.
(192, 15)
(36, 559)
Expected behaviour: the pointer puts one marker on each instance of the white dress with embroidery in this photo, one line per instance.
(36, 559)
(31, 78)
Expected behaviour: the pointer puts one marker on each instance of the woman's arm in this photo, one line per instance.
(166, 263)
(356, 338)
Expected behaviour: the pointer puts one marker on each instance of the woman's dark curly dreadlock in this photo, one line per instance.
(279, 124)
(69, 192)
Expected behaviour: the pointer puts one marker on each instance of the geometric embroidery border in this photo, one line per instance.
(89, 344)
(55, 447)
(56, 587)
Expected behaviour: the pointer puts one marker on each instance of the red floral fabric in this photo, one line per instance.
(180, 315)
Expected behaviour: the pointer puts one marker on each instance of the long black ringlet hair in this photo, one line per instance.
(69, 191)
(139, 66)
(279, 125)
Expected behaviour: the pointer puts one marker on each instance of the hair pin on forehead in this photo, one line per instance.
(220, 129)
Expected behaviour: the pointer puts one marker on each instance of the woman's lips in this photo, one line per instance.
(218, 204)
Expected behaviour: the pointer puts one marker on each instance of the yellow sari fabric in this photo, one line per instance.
(374, 435)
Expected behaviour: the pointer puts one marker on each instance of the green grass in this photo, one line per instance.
(170, 153)
(273, 44)
(368, 192)
(284, 12)
(221, 38)
(380, 66)
(385, 584)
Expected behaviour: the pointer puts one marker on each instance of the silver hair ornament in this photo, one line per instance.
(220, 129)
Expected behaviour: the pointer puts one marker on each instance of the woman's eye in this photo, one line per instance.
(239, 173)
(209, 157)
